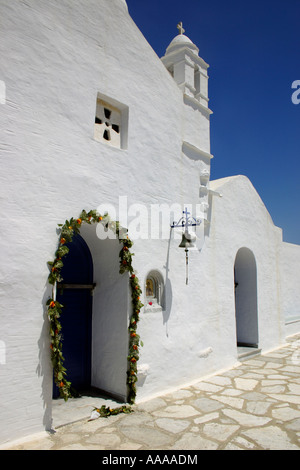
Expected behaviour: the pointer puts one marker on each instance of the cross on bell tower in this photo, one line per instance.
(180, 28)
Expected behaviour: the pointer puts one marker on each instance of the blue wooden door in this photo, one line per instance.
(75, 294)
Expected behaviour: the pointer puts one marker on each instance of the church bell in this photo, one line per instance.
(186, 241)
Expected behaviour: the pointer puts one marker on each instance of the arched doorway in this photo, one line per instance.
(115, 343)
(245, 284)
(75, 294)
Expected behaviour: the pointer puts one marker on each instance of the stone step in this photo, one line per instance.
(245, 352)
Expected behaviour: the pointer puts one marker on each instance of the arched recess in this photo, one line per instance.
(154, 292)
(69, 232)
(245, 285)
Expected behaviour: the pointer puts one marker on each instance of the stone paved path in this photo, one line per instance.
(253, 406)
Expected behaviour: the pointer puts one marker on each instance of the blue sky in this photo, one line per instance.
(253, 49)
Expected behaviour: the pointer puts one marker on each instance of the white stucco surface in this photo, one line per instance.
(57, 58)
(290, 286)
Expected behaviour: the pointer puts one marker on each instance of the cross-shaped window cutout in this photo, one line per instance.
(107, 124)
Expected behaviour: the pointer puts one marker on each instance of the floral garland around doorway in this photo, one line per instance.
(55, 309)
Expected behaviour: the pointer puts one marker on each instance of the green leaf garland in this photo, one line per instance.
(55, 309)
(105, 411)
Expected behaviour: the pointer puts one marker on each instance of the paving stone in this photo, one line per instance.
(252, 375)
(181, 394)
(152, 405)
(256, 362)
(294, 388)
(294, 369)
(192, 441)
(287, 398)
(137, 418)
(274, 389)
(246, 419)
(129, 446)
(176, 411)
(273, 381)
(243, 442)
(206, 418)
(231, 446)
(231, 401)
(172, 425)
(285, 414)
(233, 373)
(273, 365)
(207, 387)
(220, 432)
(232, 392)
(271, 438)
(245, 384)
(254, 396)
(294, 425)
(207, 405)
(219, 380)
(151, 438)
(258, 407)
(104, 440)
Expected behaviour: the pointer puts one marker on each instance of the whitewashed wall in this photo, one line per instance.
(57, 57)
(290, 286)
(248, 224)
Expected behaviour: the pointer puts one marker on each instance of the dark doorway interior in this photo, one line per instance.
(75, 294)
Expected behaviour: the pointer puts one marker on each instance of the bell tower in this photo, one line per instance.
(189, 71)
(187, 68)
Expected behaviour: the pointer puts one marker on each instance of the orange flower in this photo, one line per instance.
(61, 384)
(79, 221)
(135, 347)
(52, 304)
(99, 219)
(62, 241)
(133, 335)
(133, 359)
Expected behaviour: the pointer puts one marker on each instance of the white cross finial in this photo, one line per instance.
(180, 28)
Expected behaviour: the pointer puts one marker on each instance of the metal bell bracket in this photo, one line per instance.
(186, 221)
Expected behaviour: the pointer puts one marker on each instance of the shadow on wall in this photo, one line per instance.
(44, 367)
(167, 301)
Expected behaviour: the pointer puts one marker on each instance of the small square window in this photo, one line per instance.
(111, 122)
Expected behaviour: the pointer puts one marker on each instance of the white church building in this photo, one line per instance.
(184, 274)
